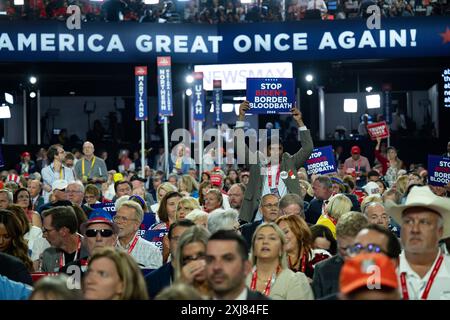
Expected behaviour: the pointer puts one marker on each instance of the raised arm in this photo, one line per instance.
(305, 151)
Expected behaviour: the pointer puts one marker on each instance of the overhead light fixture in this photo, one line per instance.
(9, 98)
(151, 1)
(32, 94)
(188, 92)
(350, 105)
(5, 112)
(309, 77)
(373, 101)
(19, 2)
(369, 89)
(309, 92)
(246, 1)
(72, 93)
(189, 78)
(32, 79)
(239, 98)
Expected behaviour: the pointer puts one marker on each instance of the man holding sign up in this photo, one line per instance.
(276, 172)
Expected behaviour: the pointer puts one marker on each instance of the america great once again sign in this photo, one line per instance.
(270, 95)
(230, 43)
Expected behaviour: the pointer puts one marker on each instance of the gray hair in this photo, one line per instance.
(9, 194)
(120, 201)
(291, 198)
(137, 208)
(325, 181)
(222, 220)
(372, 204)
(78, 183)
(350, 224)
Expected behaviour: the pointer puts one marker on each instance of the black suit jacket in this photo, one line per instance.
(314, 211)
(14, 269)
(326, 277)
(248, 230)
(159, 279)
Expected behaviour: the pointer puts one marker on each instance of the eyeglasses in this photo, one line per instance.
(44, 230)
(357, 248)
(105, 233)
(187, 259)
(270, 205)
(122, 219)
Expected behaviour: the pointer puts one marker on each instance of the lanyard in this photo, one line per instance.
(133, 244)
(357, 168)
(302, 264)
(82, 167)
(62, 259)
(429, 283)
(270, 282)
(61, 172)
(277, 178)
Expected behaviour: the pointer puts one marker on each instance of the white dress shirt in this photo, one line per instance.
(145, 253)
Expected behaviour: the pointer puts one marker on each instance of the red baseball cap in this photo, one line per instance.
(363, 269)
(356, 150)
(25, 154)
(216, 179)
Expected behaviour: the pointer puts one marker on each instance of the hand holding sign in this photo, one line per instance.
(243, 108)
(297, 115)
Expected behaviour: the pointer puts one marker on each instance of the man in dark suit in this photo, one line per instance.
(326, 273)
(163, 277)
(270, 212)
(227, 267)
(14, 269)
(274, 173)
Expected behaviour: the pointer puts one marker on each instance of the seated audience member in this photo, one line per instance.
(223, 220)
(75, 192)
(167, 210)
(185, 206)
(14, 269)
(188, 186)
(292, 203)
(203, 189)
(270, 211)
(162, 277)
(269, 262)
(11, 238)
(199, 217)
(424, 221)
(356, 279)
(161, 191)
(6, 198)
(122, 188)
(190, 264)
(128, 219)
(179, 291)
(30, 233)
(60, 229)
(54, 288)
(227, 267)
(35, 190)
(322, 191)
(299, 246)
(12, 290)
(138, 183)
(57, 197)
(337, 205)
(236, 195)
(91, 195)
(22, 198)
(322, 238)
(213, 200)
(112, 274)
(326, 274)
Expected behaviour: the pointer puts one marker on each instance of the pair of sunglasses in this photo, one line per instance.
(106, 233)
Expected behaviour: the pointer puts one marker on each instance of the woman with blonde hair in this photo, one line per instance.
(199, 217)
(189, 263)
(336, 207)
(401, 184)
(112, 274)
(299, 245)
(270, 274)
(188, 186)
(185, 206)
(213, 200)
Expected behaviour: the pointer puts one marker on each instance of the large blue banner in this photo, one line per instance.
(198, 98)
(164, 86)
(438, 170)
(140, 74)
(321, 161)
(217, 101)
(270, 95)
(40, 41)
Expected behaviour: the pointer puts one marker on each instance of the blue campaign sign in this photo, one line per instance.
(438, 170)
(271, 95)
(217, 100)
(164, 86)
(321, 161)
(51, 41)
(141, 92)
(107, 206)
(198, 98)
(156, 237)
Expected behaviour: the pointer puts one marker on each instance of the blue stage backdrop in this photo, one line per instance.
(227, 43)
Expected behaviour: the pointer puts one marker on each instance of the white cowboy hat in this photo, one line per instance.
(422, 197)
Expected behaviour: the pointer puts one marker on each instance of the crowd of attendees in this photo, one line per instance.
(255, 231)
(218, 11)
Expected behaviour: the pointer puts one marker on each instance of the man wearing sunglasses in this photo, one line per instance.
(99, 231)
